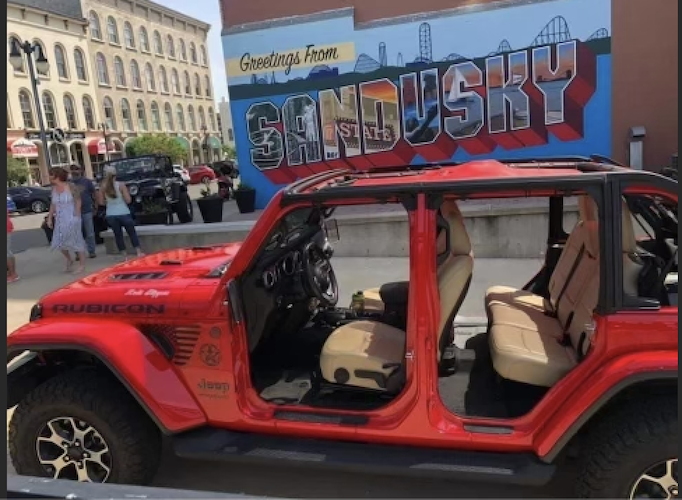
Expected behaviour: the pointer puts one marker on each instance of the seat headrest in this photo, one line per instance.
(628, 224)
(459, 238)
(588, 208)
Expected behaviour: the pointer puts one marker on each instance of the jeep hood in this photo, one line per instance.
(166, 282)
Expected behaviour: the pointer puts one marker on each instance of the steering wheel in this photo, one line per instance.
(320, 279)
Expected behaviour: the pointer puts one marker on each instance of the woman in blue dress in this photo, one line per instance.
(65, 220)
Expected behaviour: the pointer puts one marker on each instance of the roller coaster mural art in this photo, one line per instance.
(369, 113)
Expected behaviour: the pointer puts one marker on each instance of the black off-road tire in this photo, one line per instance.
(134, 440)
(625, 444)
(183, 208)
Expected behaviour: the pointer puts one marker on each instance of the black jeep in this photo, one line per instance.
(152, 181)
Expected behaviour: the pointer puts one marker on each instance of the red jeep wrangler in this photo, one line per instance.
(240, 351)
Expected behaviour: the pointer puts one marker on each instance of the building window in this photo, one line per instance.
(181, 117)
(192, 118)
(163, 79)
(95, 28)
(141, 116)
(202, 117)
(112, 30)
(109, 113)
(168, 115)
(175, 81)
(188, 84)
(144, 40)
(183, 50)
(156, 117)
(158, 45)
(128, 35)
(70, 110)
(40, 52)
(170, 44)
(89, 113)
(126, 115)
(204, 59)
(26, 109)
(14, 41)
(60, 59)
(207, 83)
(197, 85)
(211, 119)
(49, 110)
(102, 71)
(120, 72)
(81, 71)
(192, 52)
(135, 78)
(149, 76)
(230, 135)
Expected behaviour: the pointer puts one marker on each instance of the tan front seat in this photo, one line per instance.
(370, 354)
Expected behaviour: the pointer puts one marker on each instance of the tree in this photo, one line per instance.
(17, 171)
(157, 144)
(230, 152)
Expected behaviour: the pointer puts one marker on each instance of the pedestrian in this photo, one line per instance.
(87, 189)
(64, 219)
(116, 197)
(12, 275)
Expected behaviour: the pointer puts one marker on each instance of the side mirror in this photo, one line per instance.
(331, 229)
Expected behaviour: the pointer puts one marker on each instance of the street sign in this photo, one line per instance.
(67, 136)
(58, 135)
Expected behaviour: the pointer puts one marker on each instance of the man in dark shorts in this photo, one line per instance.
(87, 191)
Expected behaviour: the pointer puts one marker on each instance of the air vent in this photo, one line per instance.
(183, 338)
(138, 276)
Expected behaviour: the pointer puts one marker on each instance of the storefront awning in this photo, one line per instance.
(98, 147)
(214, 142)
(183, 142)
(22, 148)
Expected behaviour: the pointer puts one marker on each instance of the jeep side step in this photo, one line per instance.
(217, 444)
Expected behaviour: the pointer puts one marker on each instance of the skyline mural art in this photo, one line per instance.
(317, 106)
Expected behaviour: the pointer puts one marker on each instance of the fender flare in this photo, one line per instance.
(615, 378)
(129, 355)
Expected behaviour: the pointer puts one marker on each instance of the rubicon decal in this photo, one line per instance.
(108, 309)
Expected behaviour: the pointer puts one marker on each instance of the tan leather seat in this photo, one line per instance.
(368, 354)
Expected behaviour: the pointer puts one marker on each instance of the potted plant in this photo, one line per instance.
(153, 212)
(210, 205)
(245, 196)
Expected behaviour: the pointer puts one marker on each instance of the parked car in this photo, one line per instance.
(201, 174)
(242, 351)
(182, 172)
(31, 199)
(11, 206)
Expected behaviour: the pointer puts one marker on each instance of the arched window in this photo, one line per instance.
(95, 27)
(175, 81)
(192, 118)
(158, 45)
(149, 76)
(163, 79)
(144, 39)
(135, 78)
(168, 116)
(207, 84)
(126, 115)
(192, 53)
(156, 117)
(181, 117)
(183, 50)
(89, 113)
(204, 59)
(170, 46)
(128, 35)
(211, 119)
(112, 30)
(12, 42)
(81, 70)
(102, 70)
(109, 113)
(60, 60)
(49, 111)
(26, 106)
(141, 116)
(197, 85)
(40, 52)
(120, 72)
(70, 112)
(188, 84)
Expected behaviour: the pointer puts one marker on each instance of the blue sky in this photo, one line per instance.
(209, 12)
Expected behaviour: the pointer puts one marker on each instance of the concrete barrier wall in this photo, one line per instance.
(518, 232)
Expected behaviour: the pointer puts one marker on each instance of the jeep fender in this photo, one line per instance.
(602, 387)
(127, 353)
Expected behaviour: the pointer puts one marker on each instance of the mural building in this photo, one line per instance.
(528, 80)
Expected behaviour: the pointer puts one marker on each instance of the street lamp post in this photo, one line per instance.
(16, 59)
(103, 128)
(204, 129)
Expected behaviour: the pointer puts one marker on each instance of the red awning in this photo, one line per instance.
(22, 148)
(97, 147)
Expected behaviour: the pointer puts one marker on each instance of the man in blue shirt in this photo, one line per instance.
(87, 190)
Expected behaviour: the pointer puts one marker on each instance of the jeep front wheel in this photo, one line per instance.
(633, 453)
(184, 208)
(83, 427)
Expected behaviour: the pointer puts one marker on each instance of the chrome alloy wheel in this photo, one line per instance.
(660, 481)
(70, 448)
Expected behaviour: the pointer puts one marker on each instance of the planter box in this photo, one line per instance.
(149, 219)
(211, 209)
(246, 200)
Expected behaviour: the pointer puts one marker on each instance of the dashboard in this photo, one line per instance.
(286, 267)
